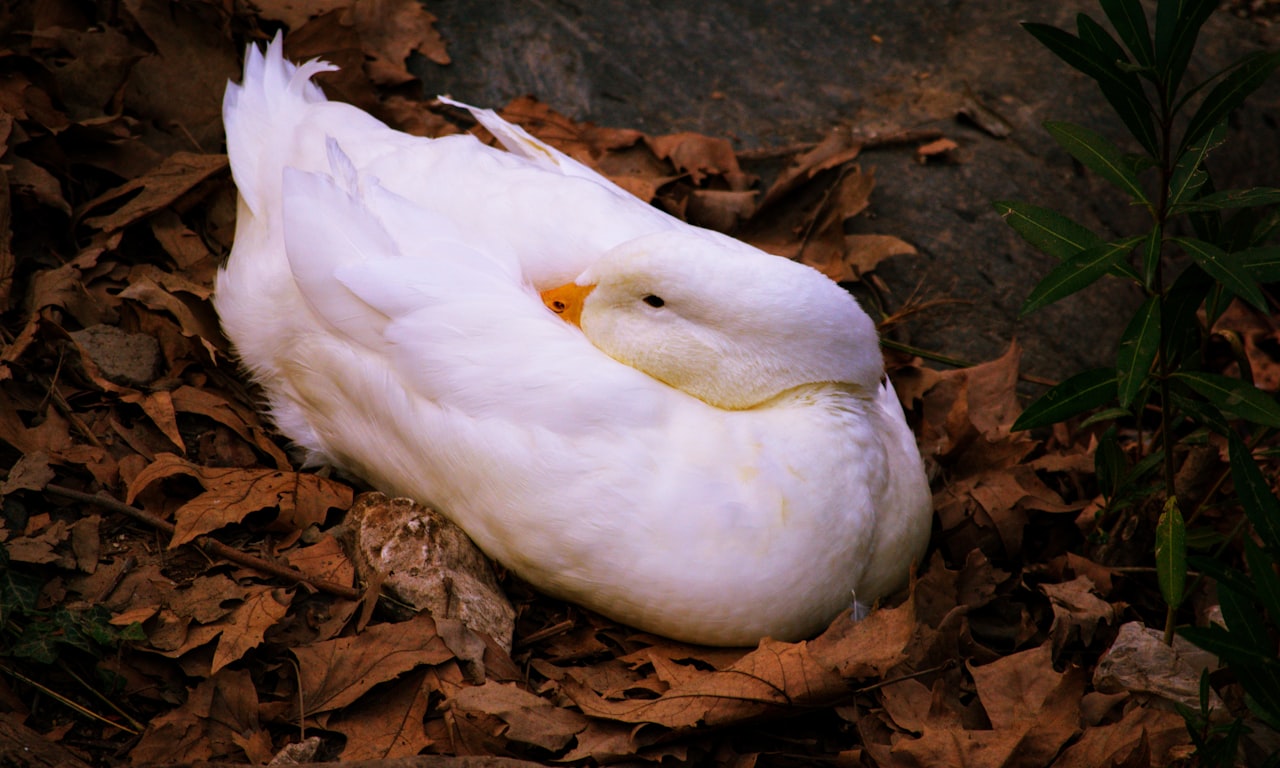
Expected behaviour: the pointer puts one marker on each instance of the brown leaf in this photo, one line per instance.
(295, 13)
(90, 81)
(178, 89)
(386, 726)
(865, 252)
(1076, 611)
(186, 248)
(211, 404)
(980, 401)
(335, 673)
(86, 544)
(1110, 745)
(218, 720)
(230, 494)
(697, 155)
(206, 598)
(324, 561)
(530, 719)
(1015, 687)
(838, 147)
(1033, 711)
(182, 299)
(41, 544)
(773, 679)
(392, 29)
(31, 472)
(939, 150)
(177, 175)
(248, 623)
(30, 180)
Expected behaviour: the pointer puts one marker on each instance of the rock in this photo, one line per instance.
(128, 359)
(1139, 662)
(770, 73)
(427, 562)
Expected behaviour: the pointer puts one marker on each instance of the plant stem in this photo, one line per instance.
(1166, 409)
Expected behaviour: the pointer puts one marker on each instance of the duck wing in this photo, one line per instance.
(456, 325)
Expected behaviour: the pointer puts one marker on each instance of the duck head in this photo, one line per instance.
(720, 320)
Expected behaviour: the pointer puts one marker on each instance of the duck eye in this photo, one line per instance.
(653, 301)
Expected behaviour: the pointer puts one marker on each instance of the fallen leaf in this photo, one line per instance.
(176, 176)
(775, 678)
(392, 29)
(698, 156)
(231, 494)
(248, 623)
(529, 719)
(219, 719)
(335, 673)
(386, 726)
(1077, 611)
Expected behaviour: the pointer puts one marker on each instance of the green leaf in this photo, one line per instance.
(1260, 506)
(1234, 397)
(1201, 413)
(1242, 618)
(1252, 72)
(1083, 56)
(1047, 231)
(1152, 249)
(1080, 393)
(1128, 100)
(1100, 155)
(1130, 22)
(1226, 268)
(1171, 554)
(1106, 414)
(1262, 263)
(1230, 198)
(1266, 581)
(1078, 272)
(1202, 539)
(1138, 348)
(1231, 648)
(1178, 24)
(1109, 463)
(1188, 174)
(1181, 314)
(1221, 573)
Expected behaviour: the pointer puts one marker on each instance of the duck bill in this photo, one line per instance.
(566, 301)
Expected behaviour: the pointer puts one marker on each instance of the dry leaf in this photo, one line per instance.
(529, 719)
(335, 673)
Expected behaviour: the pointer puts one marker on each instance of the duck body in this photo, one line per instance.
(385, 292)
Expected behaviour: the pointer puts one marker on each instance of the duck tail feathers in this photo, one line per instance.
(263, 107)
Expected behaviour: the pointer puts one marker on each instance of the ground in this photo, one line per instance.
(174, 589)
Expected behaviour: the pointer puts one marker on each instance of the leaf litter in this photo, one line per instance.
(117, 390)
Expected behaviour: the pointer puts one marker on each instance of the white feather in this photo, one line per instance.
(383, 289)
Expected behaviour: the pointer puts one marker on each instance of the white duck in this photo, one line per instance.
(714, 455)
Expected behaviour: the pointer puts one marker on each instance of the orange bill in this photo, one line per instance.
(566, 301)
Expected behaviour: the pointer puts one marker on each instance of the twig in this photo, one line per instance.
(864, 140)
(545, 632)
(909, 676)
(103, 698)
(68, 702)
(955, 362)
(210, 545)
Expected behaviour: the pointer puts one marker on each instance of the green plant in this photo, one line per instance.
(32, 635)
(1159, 364)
